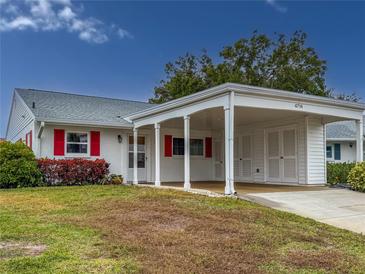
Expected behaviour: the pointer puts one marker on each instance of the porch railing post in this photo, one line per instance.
(359, 140)
(135, 156)
(187, 152)
(157, 155)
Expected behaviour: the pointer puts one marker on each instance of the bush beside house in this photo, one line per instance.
(18, 166)
(356, 177)
(73, 171)
(337, 172)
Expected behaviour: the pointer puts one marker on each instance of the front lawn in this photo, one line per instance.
(120, 229)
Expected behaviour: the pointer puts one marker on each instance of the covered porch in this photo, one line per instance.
(233, 134)
(244, 188)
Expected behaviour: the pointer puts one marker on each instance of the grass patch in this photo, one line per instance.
(119, 229)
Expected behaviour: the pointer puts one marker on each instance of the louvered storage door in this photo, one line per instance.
(218, 160)
(246, 160)
(289, 155)
(236, 165)
(273, 156)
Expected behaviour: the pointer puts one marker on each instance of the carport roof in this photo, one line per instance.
(244, 89)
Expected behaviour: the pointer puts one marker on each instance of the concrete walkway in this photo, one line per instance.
(338, 207)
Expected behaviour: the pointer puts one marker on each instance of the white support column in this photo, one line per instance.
(359, 141)
(135, 155)
(227, 189)
(157, 155)
(229, 145)
(187, 152)
(231, 141)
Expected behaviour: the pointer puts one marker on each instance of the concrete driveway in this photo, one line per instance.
(338, 207)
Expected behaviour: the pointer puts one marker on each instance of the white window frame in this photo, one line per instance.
(193, 156)
(77, 155)
(332, 152)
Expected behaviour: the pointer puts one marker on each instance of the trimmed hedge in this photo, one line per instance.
(337, 172)
(73, 171)
(18, 166)
(356, 177)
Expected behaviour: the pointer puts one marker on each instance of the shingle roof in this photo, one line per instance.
(51, 105)
(342, 130)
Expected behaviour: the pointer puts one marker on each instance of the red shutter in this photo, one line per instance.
(95, 143)
(168, 146)
(30, 140)
(59, 142)
(208, 147)
(26, 139)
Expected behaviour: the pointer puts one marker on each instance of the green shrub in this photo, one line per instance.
(337, 172)
(18, 166)
(112, 179)
(356, 177)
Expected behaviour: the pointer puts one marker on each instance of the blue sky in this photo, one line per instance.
(118, 48)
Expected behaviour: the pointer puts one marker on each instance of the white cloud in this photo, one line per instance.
(277, 6)
(52, 15)
(66, 14)
(122, 33)
(19, 23)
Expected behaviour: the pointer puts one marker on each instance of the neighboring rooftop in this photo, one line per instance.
(60, 106)
(341, 130)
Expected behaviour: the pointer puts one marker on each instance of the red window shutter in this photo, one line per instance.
(208, 147)
(59, 142)
(30, 141)
(95, 143)
(26, 139)
(168, 145)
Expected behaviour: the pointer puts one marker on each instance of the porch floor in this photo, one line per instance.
(244, 188)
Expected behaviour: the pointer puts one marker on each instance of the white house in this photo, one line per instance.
(231, 132)
(341, 142)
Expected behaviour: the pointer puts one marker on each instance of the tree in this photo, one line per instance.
(280, 63)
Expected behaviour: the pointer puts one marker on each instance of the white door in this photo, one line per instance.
(246, 158)
(289, 156)
(141, 158)
(218, 160)
(273, 156)
(236, 159)
(282, 155)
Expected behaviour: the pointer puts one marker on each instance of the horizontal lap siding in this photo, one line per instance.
(20, 121)
(316, 149)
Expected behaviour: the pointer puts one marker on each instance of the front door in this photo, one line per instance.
(141, 158)
(281, 155)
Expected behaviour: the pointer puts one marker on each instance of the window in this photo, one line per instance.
(141, 153)
(77, 143)
(337, 151)
(178, 146)
(329, 151)
(196, 147)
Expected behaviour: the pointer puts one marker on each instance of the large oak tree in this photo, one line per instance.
(279, 62)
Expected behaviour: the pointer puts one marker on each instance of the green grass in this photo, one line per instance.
(120, 229)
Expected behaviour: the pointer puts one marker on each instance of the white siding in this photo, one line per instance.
(348, 151)
(172, 168)
(316, 151)
(111, 150)
(21, 120)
